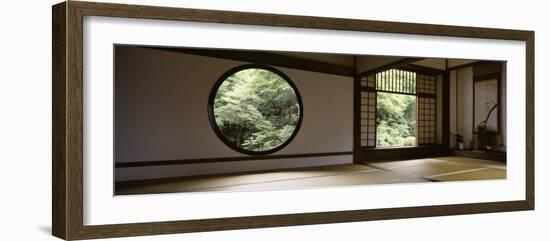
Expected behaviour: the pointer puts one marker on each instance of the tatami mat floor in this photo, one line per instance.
(407, 171)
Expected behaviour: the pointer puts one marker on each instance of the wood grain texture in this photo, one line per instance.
(68, 156)
(58, 121)
(530, 121)
(282, 20)
(74, 122)
(122, 230)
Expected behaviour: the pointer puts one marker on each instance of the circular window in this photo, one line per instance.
(255, 109)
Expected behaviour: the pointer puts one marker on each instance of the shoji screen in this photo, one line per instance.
(368, 111)
(426, 125)
(398, 81)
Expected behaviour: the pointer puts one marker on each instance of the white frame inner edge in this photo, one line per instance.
(101, 207)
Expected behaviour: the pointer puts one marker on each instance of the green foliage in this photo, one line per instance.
(256, 109)
(395, 120)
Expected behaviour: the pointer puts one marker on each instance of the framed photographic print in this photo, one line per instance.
(171, 120)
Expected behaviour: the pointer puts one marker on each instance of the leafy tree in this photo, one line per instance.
(395, 120)
(396, 113)
(256, 109)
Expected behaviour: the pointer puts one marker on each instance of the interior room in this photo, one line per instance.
(201, 120)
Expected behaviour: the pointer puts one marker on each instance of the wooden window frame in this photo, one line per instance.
(215, 126)
(417, 94)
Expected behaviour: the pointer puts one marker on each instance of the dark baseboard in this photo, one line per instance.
(485, 155)
(367, 155)
(226, 159)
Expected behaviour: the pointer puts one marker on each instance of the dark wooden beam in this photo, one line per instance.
(356, 111)
(225, 159)
(423, 69)
(446, 111)
(493, 156)
(366, 155)
(267, 58)
(469, 64)
(393, 65)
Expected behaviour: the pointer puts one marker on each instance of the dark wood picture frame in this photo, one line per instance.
(67, 150)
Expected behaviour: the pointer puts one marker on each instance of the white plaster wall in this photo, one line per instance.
(161, 112)
(465, 104)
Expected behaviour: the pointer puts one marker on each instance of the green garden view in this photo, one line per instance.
(256, 109)
(395, 120)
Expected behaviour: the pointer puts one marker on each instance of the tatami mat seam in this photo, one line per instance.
(375, 165)
(402, 173)
(376, 168)
(278, 180)
(458, 172)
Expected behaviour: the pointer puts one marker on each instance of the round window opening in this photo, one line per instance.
(255, 109)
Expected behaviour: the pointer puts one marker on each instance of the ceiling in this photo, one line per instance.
(369, 62)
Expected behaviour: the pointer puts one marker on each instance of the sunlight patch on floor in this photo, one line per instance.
(405, 171)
